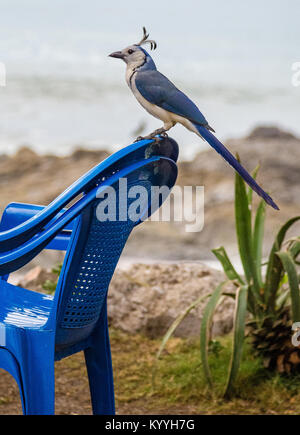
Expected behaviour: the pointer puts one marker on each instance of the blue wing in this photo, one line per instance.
(157, 89)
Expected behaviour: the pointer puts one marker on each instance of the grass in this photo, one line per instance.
(180, 383)
(180, 386)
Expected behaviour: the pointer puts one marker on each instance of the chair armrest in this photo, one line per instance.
(17, 213)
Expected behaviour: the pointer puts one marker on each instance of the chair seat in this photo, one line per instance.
(23, 308)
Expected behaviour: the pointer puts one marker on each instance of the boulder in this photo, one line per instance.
(147, 298)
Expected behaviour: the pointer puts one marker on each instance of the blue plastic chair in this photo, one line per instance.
(37, 329)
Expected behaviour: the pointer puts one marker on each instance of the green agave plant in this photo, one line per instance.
(262, 296)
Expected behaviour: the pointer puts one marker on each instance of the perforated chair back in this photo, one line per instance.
(96, 247)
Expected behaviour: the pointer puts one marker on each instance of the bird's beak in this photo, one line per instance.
(117, 54)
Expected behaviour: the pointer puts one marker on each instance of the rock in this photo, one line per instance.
(270, 132)
(81, 153)
(35, 278)
(148, 298)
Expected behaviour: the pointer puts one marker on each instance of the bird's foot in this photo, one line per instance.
(148, 137)
(139, 138)
(164, 134)
(151, 136)
(159, 132)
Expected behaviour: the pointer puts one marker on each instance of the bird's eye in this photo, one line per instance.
(130, 51)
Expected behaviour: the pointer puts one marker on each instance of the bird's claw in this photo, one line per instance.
(164, 135)
(149, 137)
(139, 138)
(156, 136)
(156, 139)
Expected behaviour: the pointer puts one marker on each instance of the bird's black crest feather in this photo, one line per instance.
(145, 40)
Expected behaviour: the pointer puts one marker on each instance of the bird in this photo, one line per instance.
(163, 100)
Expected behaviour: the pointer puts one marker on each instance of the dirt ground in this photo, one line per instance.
(72, 390)
(72, 394)
(179, 387)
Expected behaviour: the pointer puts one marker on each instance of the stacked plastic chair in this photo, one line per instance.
(38, 329)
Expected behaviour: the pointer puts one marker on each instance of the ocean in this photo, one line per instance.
(233, 58)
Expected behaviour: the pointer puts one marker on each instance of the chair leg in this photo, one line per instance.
(38, 379)
(10, 364)
(99, 368)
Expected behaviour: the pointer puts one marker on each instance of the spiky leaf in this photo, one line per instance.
(244, 233)
(228, 268)
(275, 268)
(258, 238)
(238, 337)
(290, 268)
(205, 329)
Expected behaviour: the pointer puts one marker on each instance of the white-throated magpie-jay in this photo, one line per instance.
(162, 99)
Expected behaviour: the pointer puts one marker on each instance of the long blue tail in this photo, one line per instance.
(221, 149)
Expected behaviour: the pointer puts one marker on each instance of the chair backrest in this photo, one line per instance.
(15, 233)
(26, 231)
(96, 246)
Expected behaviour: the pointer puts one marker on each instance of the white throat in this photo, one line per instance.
(130, 71)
